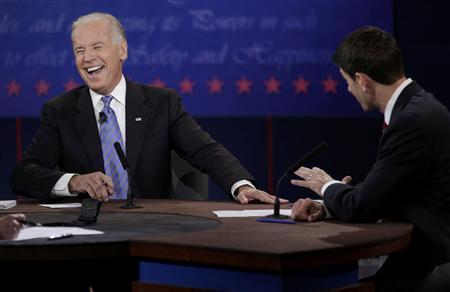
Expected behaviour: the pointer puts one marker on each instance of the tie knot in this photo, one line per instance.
(107, 100)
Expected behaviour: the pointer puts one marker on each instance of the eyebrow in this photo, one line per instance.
(97, 43)
(92, 45)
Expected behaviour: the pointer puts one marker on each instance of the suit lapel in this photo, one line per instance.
(137, 118)
(87, 128)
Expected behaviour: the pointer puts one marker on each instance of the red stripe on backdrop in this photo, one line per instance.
(19, 139)
(269, 155)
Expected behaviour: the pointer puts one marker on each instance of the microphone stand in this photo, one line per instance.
(276, 206)
(276, 216)
(130, 195)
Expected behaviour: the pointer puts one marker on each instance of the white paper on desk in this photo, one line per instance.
(7, 204)
(249, 213)
(61, 206)
(39, 232)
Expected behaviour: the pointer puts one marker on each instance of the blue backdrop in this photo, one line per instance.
(232, 58)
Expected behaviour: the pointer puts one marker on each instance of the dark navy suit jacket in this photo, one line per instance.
(410, 179)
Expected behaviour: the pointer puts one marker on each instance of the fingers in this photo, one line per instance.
(13, 221)
(18, 217)
(316, 216)
(16, 224)
(347, 179)
(307, 210)
(298, 210)
(261, 196)
(304, 172)
(242, 199)
(308, 173)
(313, 179)
(251, 194)
(264, 197)
(319, 171)
(10, 226)
(284, 201)
(98, 185)
(300, 183)
(313, 184)
(109, 184)
(97, 190)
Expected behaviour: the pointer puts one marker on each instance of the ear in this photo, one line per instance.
(123, 47)
(362, 80)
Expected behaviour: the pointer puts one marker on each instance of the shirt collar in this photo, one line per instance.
(118, 93)
(393, 100)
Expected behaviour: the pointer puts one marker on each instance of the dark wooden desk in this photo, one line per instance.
(239, 252)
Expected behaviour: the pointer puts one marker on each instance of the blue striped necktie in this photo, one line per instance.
(109, 134)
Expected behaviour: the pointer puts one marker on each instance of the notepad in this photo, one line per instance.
(47, 232)
(7, 204)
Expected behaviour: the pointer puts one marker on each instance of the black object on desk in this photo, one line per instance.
(90, 208)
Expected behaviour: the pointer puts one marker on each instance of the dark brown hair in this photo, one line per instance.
(372, 51)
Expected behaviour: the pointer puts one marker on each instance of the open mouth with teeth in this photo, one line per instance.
(94, 70)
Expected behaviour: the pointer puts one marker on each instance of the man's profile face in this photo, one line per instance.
(355, 89)
(98, 57)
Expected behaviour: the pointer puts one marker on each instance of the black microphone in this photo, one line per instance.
(102, 118)
(308, 156)
(123, 160)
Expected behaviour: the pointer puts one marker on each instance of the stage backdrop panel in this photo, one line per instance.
(226, 58)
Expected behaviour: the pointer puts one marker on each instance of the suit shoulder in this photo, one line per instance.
(155, 92)
(425, 105)
(425, 114)
(67, 98)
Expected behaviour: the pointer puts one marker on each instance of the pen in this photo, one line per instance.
(60, 236)
(30, 223)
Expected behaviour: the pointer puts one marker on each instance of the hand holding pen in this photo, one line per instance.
(10, 225)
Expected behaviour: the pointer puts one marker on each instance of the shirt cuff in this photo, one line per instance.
(61, 188)
(325, 186)
(327, 213)
(239, 184)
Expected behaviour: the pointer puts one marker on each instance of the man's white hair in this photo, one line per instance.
(118, 33)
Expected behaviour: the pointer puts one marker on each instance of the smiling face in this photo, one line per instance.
(98, 55)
